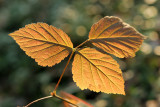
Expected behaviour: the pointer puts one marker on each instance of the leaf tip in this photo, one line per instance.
(11, 34)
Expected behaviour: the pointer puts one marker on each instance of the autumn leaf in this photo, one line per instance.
(91, 69)
(114, 36)
(97, 71)
(46, 44)
(74, 100)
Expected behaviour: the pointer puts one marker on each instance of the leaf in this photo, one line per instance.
(46, 44)
(75, 100)
(97, 71)
(114, 36)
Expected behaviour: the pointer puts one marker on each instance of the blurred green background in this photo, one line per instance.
(22, 80)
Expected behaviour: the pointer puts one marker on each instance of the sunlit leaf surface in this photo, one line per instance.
(97, 71)
(115, 37)
(46, 44)
(91, 68)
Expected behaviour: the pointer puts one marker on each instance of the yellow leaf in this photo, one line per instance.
(114, 36)
(46, 44)
(97, 71)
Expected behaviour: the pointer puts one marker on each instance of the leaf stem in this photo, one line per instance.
(82, 44)
(38, 100)
(73, 50)
(54, 91)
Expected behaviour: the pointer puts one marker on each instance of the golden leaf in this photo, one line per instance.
(46, 44)
(97, 71)
(91, 69)
(114, 36)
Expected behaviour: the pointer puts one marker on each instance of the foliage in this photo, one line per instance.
(22, 81)
(91, 69)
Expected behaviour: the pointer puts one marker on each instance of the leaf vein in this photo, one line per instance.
(53, 55)
(81, 70)
(92, 75)
(59, 35)
(44, 41)
(99, 69)
(49, 33)
(42, 49)
(38, 33)
(34, 45)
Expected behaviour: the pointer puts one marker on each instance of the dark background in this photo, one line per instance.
(22, 80)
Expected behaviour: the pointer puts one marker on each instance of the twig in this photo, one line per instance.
(37, 100)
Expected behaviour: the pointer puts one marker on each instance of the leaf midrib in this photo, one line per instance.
(113, 38)
(43, 41)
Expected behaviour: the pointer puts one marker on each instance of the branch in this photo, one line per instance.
(37, 100)
(52, 95)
